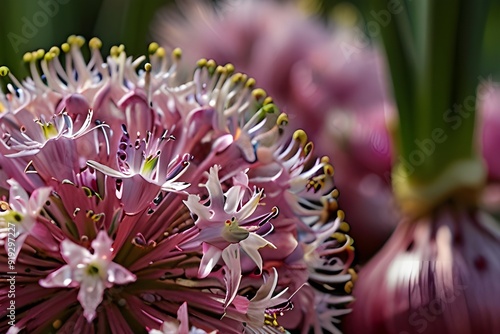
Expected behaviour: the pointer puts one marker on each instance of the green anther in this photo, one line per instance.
(270, 108)
(48, 129)
(4, 71)
(153, 47)
(92, 270)
(149, 165)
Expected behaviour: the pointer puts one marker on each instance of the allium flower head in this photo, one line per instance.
(149, 203)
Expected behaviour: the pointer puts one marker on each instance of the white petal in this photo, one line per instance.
(117, 274)
(251, 245)
(102, 246)
(90, 296)
(211, 256)
(107, 170)
(38, 199)
(231, 257)
(18, 198)
(72, 253)
(63, 277)
(194, 205)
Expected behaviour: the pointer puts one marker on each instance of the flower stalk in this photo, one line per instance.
(436, 98)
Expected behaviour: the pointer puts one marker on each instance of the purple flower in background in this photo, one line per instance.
(149, 203)
(340, 98)
(434, 275)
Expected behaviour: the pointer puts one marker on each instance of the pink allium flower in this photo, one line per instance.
(149, 203)
(339, 98)
(435, 275)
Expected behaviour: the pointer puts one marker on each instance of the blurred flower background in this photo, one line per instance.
(323, 64)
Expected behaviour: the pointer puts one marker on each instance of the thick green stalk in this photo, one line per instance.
(435, 96)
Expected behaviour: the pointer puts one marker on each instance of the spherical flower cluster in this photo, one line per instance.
(134, 201)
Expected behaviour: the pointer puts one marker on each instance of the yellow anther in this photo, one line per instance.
(220, 69)
(335, 193)
(28, 57)
(268, 100)
(148, 67)
(244, 77)
(121, 48)
(49, 56)
(325, 159)
(114, 51)
(282, 119)
(236, 78)
(341, 215)
(177, 53)
(161, 52)
(328, 169)
(65, 47)
(229, 68)
(79, 41)
(211, 63)
(353, 273)
(55, 50)
(348, 286)
(250, 83)
(201, 63)
(153, 47)
(259, 93)
(95, 43)
(4, 70)
(40, 53)
(301, 136)
(344, 227)
(308, 148)
(57, 324)
(332, 205)
(71, 39)
(340, 237)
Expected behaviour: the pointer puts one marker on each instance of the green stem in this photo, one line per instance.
(435, 94)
